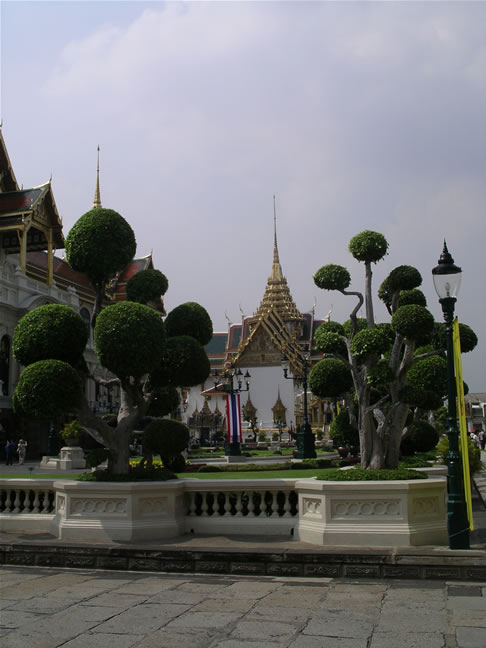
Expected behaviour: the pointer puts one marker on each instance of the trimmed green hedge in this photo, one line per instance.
(359, 474)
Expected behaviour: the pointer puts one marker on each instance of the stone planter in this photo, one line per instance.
(118, 511)
(372, 514)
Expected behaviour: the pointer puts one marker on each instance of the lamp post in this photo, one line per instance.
(447, 280)
(305, 438)
(233, 384)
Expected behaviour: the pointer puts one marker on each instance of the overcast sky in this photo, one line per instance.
(356, 115)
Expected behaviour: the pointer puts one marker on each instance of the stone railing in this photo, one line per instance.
(396, 513)
(243, 506)
(26, 504)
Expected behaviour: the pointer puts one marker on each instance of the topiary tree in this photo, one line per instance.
(147, 287)
(388, 378)
(190, 319)
(167, 438)
(100, 244)
(130, 341)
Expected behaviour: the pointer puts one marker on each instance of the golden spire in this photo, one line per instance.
(97, 196)
(277, 295)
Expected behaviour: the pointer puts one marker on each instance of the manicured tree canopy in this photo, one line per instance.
(165, 437)
(99, 244)
(467, 337)
(422, 436)
(413, 296)
(51, 331)
(329, 341)
(361, 324)
(368, 246)
(147, 286)
(47, 389)
(184, 363)
(332, 277)
(368, 342)
(404, 277)
(330, 377)
(129, 339)
(412, 321)
(190, 319)
(165, 402)
(429, 374)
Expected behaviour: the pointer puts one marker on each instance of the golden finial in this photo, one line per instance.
(97, 196)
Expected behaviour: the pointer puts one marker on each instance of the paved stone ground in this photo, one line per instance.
(49, 608)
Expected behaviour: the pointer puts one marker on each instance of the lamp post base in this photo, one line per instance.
(305, 444)
(232, 450)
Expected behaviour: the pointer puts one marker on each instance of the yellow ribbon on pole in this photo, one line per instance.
(461, 410)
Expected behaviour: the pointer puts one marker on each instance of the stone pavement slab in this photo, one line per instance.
(147, 610)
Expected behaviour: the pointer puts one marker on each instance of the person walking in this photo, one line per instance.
(482, 439)
(21, 450)
(10, 448)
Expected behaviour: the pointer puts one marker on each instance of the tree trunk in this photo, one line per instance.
(370, 318)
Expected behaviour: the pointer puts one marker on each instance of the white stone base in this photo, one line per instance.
(372, 514)
(118, 511)
(70, 457)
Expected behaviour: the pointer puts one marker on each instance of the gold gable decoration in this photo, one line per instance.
(279, 410)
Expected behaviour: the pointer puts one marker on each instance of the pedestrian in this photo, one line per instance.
(474, 438)
(482, 439)
(10, 448)
(21, 450)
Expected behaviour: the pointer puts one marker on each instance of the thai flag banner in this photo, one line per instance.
(233, 418)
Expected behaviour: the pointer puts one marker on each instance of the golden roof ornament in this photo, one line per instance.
(97, 195)
(277, 295)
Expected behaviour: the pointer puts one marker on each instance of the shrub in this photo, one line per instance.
(475, 463)
(96, 457)
(209, 469)
(412, 321)
(359, 474)
(368, 342)
(165, 437)
(342, 432)
(72, 430)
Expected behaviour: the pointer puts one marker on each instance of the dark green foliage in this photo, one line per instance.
(387, 330)
(111, 419)
(413, 462)
(47, 389)
(165, 402)
(413, 296)
(329, 341)
(475, 464)
(429, 374)
(96, 457)
(52, 331)
(361, 324)
(176, 464)
(369, 342)
(342, 432)
(359, 474)
(184, 363)
(190, 319)
(332, 277)
(165, 437)
(403, 277)
(146, 286)
(335, 327)
(330, 377)
(368, 246)
(129, 339)
(421, 398)
(467, 336)
(412, 321)
(210, 469)
(99, 244)
(379, 375)
(422, 436)
(385, 293)
(135, 473)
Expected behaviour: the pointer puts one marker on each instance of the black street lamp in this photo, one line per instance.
(447, 280)
(305, 438)
(230, 382)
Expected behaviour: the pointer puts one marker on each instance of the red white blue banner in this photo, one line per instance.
(233, 418)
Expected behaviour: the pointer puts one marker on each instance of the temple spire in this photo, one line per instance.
(97, 196)
(277, 274)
